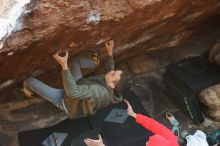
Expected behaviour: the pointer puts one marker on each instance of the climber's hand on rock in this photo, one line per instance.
(109, 47)
(62, 60)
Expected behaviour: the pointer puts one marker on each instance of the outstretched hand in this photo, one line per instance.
(130, 109)
(62, 60)
(93, 142)
(109, 47)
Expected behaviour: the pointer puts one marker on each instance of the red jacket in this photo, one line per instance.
(163, 136)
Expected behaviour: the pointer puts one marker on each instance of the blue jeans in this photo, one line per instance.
(54, 95)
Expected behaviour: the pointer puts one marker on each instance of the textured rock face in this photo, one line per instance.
(214, 54)
(210, 97)
(138, 27)
(142, 64)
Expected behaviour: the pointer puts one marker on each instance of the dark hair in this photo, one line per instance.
(124, 83)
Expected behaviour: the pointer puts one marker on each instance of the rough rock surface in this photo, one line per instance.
(214, 54)
(210, 97)
(142, 64)
(138, 27)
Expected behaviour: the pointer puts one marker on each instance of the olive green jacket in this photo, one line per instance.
(87, 95)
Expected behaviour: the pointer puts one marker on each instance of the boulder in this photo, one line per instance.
(210, 97)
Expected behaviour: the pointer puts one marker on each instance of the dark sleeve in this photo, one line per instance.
(109, 64)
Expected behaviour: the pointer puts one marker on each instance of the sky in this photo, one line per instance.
(10, 11)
